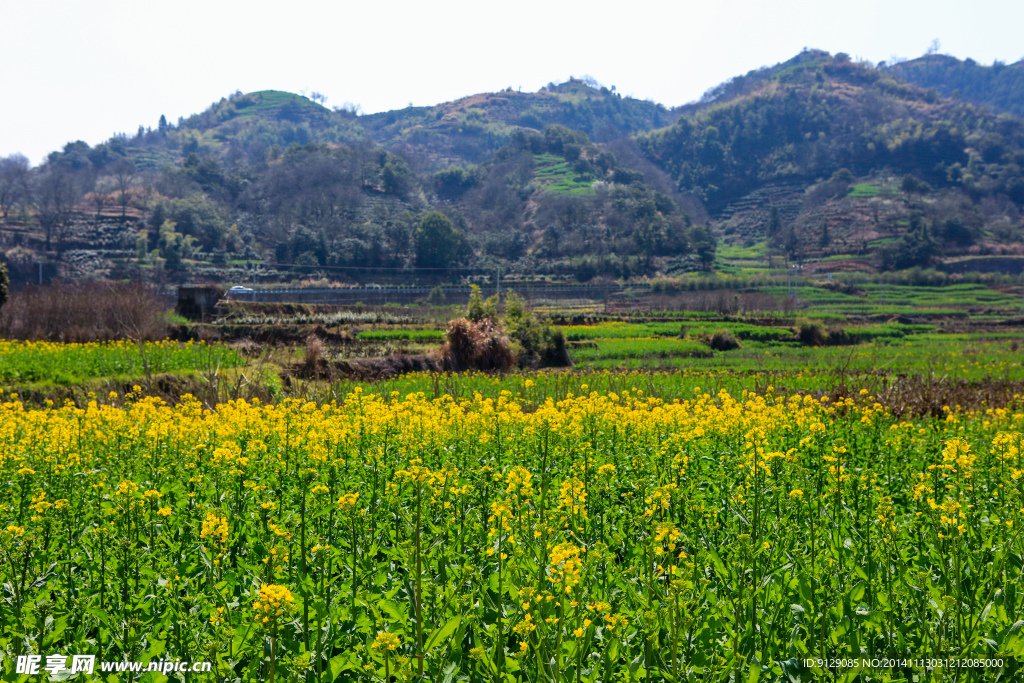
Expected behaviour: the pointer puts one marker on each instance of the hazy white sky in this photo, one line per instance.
(85, 70)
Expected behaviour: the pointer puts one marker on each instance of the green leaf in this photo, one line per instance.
(613, 651)
(985, 612)
(791, 670)
(636, 668)
(796, 642)
(157, 648)
(1014, 641)
(719, 565)
(336, 666)
(391, 609)
(441, 634)
(805, 590)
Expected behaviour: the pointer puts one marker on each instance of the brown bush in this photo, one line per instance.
(812, 334)
(314, 351)
(481, 345)
(461, 340)
(95, 311)
(495, 353)
(724, 301)
(723, 341)
(924, 396)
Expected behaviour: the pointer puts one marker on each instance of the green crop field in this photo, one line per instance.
(641, 348)
(558, 175)
(28, 362)
(871, 190)
(401, 335)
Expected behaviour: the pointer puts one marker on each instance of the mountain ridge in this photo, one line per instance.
(814, 157)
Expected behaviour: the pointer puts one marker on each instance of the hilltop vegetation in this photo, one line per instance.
(278, 178)
(818, 116)
(815, 158)
(823, 148)
(469, 130)
(1001, 86)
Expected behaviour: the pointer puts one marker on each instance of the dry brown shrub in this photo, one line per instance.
(461, 341)
(314, 351)
(724, 301)
(479, 345)
(722, 340)
(924, 396)
(93, 311)
(495, 352)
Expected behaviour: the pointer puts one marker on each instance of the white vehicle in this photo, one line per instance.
(238, 290)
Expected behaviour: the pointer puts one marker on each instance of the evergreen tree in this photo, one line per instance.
(437, 241)
(792, 243)
(774, 222)
(704, 245)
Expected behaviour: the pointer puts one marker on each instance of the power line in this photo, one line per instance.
(405, 269)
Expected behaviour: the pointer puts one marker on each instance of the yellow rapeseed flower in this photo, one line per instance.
(215, 527)
(385, 642)
(272, 603)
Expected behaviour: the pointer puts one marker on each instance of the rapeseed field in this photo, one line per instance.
(606, 536)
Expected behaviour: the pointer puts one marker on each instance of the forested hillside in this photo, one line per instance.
(821, 148)
(279, 179)
(1001, 86)
(473, 128)
(817, 157)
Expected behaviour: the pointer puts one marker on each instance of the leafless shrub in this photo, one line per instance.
(723, 340)
(95, 311)
(725, 301)
(495, 353)
(923, 396)
(481, 345)
(314, 351)
(461, 341)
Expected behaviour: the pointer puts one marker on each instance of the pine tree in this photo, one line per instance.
(774, 222)
(792, 243)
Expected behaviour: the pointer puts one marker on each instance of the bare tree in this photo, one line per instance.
(13, 182)
(124, 176)
(56, 193)
(100, 195)
(349, 109)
